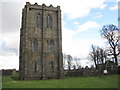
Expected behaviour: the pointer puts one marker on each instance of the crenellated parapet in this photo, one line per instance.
(35, 6)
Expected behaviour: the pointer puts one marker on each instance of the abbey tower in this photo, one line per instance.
(40, 42)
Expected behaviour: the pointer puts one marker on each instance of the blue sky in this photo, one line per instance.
(97, 17)
(81, 22)
(102, 17)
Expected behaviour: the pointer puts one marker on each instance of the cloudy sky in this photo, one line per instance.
(81, 22)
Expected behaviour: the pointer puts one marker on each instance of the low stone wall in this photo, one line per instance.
(88, 72)
(8, 71)
(76, 72)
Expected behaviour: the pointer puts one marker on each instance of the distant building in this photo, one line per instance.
(41, 42)
(8, 71)
(110, 66)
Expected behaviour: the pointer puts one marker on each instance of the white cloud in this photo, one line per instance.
(9, 50)
(9, 62)
(79, 47)
(88, 25)
(97, 16)
(10, 40)
(76, 23)
(80, 8)
(85, 63)
(114, 7)
(74, 9)
(102, 6)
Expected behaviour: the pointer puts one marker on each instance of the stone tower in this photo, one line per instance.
(40, 42)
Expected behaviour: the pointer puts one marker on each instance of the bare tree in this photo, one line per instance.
(64, 60)
(110, 33)
(76, 59)
(92, 55)
(98, 55)
(74, 67)
(69, 61)
(103, 55)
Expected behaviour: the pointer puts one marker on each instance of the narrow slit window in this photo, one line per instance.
(35, 67)
(38, 21)
(51, 45)
(51, 66)
(34, 64)
(35, 45)
(49, 21)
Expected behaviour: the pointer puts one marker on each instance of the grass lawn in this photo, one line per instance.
(107, 81)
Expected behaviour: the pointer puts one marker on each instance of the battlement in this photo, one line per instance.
(43, 6)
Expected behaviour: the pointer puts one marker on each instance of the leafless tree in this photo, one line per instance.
(92, 55)
(76, 59)
(110, 33)
(102, 55)
(74, 67)
(98, 55)
(69, 61)
(64, 60)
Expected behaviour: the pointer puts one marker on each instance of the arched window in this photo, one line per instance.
(49, 21)
(51, 45)
(38, 21)
(34, 65)
(35, 45)
(51, 63)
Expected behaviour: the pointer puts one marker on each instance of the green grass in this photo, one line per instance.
(107, 81)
